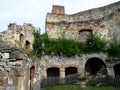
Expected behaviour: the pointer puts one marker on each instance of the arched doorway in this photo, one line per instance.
(32, 72)
(117, 69)
(53, 72)
(70, 70)
(93, 65)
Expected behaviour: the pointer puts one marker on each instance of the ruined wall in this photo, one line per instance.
(19, 35)
(61, 62)
(104, 21)
(15, 70)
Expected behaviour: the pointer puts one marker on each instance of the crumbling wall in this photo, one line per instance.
(103, 21)
(19, 35)
(61, 62)
(15, 70)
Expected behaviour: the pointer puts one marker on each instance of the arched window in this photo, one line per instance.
(83, 34)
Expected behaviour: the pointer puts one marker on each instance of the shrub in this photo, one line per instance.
(114, 49)
(61, 47)
(37, 45)
(65, 47)
(95, 44)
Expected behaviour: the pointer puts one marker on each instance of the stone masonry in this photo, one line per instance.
(104, 21)
(19, 35)
(19, 71)
(16, 72)
(61, 62)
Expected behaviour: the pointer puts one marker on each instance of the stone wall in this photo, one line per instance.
(15, 70)
(61, 62)
(104, 21)
(19, 35)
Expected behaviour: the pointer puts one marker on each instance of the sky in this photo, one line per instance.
(34, 11)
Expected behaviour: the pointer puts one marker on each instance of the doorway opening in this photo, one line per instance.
(117, 69)
(53, 72)
(70, 70)
(94, 65)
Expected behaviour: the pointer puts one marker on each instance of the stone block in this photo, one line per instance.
(5, 55)
(2, 73)
(7, 68)
(2, 88)
(17, 55)
(16, 63)
(3, 81)
(4, 59)
(15, 81)
(11, 88)
(10, 81)
(2, 64)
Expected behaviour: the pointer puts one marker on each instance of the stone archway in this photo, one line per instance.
(94, 65)
(117, 69)
(32, 72)
(32, 75)
(70, 70)
(53, 72)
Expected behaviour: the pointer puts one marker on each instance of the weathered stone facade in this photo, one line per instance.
(104, 21)
(19, 35)
(17, 71)
(77, 61)
(20, 72)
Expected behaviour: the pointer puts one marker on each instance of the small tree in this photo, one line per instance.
(37, 45)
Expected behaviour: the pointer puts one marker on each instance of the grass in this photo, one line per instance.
(77, 87)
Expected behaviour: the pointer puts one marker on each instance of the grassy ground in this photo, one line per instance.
(77, 87)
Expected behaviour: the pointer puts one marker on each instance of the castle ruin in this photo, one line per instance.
(103, 21)
(17, 66)
(19, 35)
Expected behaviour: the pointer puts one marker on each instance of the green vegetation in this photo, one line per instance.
(114, 49)
(37, 45)
(95, 44)
(66, 47)
(61, 47)
(77, 87)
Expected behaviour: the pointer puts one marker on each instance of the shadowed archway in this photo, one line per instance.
(117, 69)
(53, 72)
(70, 70)
(27, 44)
(93, 65)
(32, 72)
